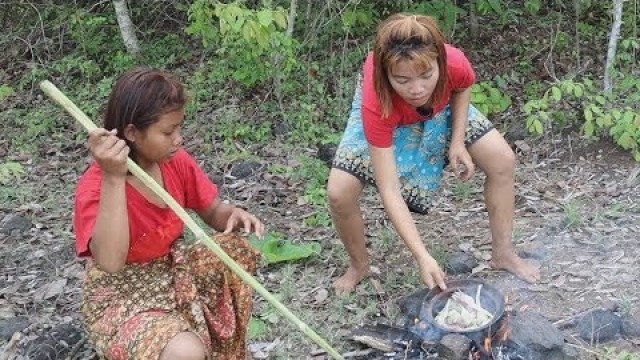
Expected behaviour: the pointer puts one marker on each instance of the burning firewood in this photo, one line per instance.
(463, 312)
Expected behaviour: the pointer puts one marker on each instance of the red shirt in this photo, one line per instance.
(378, 130)
(152, 229)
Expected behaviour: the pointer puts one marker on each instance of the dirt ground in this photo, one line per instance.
(578, 215)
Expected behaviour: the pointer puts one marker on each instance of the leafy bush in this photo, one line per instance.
(488, 99)
(569, 102)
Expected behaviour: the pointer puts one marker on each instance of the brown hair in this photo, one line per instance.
(139, 97)
(407, 37)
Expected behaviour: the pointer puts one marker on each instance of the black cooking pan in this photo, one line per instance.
(491, 300)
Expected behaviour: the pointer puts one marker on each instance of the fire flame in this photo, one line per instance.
(487, 344)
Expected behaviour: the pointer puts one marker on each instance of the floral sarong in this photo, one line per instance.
(420, 151)
(134, 313)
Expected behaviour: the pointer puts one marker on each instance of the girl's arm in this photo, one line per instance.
(109, 243)
(458, 153)
(227, 218)
(388, 184)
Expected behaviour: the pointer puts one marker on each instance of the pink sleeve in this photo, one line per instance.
(86, 209)
(460, 71)
(200, 191)
(377, 131)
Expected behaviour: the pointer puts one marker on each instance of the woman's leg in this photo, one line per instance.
(184, 346)
(344, 190)
(494, 157)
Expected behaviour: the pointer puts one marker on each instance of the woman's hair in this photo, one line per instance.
(407, 37)
(139, 97)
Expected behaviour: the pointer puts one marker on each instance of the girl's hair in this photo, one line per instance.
(407, 37)
(139, 97)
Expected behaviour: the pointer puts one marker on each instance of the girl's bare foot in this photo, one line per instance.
(347, 282)
(517, 266)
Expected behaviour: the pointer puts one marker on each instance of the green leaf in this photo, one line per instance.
(556, 94)
(538, 127)
(275, 249)
(588, 128)
(280, 19)
(265, 18)
(588, 114)
(626, 141)
(578, 91)
(257, 328)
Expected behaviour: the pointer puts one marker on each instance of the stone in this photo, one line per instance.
(9, 326)
(599, 326)
(535, 337)
(630, 327)
(454, 347)
(245, 169)
(326, 152)
(459, 262)
(54, 344)
(12, 224)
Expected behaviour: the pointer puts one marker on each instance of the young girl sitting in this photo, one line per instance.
(409, 116)
(147, 294)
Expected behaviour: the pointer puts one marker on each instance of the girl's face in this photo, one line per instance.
(414, 85)
(161, 140)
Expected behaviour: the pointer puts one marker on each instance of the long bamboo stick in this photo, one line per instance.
(62, 100)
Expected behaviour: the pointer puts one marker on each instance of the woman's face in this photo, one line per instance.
(414, 85)
(161, 140)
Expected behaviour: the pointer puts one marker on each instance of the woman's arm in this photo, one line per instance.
(458, 153)
(227, 218)
(388, 184)
(109, 243)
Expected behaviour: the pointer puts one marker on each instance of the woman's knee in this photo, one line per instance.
(343, 191)
(504, 164)
(184, 346)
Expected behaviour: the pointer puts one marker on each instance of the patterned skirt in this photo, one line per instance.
(134, 313)
(420, 151)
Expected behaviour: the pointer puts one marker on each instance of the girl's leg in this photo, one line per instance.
(184, 346)
(344, 190)
(494, 157)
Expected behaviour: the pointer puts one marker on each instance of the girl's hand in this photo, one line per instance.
(240, 219)
(431, 274)
(109, 151)
(461, 162)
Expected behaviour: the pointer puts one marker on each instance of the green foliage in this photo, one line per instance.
(246, 41)
(313, 173)
(5, 92)
(567, 102)
(462, 190)
(275, 248)
(359, 18)
(9, 171)
(488, 99)
(320, 218)
(445, 11)
(257, 328)
(573, 213)
(532, 6)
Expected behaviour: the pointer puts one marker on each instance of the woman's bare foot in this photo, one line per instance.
(347, 282)
(517, 266)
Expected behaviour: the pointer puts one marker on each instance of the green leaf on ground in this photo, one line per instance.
(275, 249)
(257, 328)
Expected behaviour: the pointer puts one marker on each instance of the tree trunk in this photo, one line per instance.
(613, 43)
(127, 30)
(473, 20)
(291, 18)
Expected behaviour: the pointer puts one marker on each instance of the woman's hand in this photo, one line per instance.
(109, 151)
(431, 274)
(241, 219)
(461, 161)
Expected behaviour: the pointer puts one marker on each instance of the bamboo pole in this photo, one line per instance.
(62, 100)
